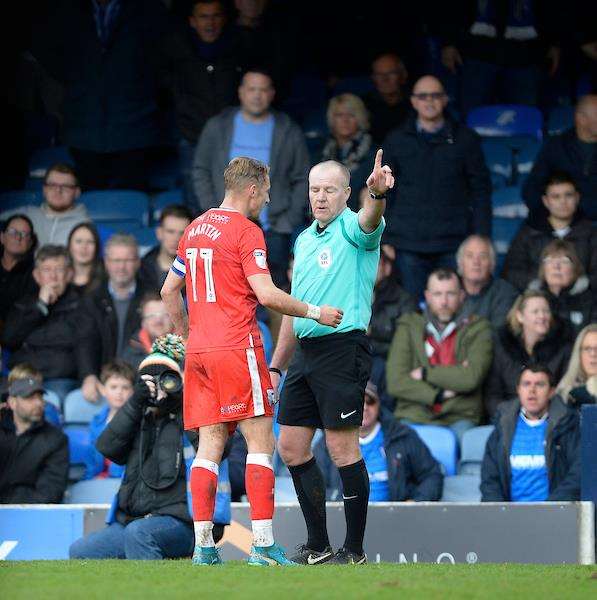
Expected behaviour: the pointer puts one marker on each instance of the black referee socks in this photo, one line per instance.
(355, 483)
(310, 489)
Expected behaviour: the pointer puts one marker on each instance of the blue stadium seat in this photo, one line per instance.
(93, 491)
(462, 488)
(52, 414)
(145, 237)
(525, 151)
(560, 119)
(501, 120)
(117, 206)
(506, 203)
(503, 232)
(163, 199)
(354, 84)
(473, 449)
(498, 181)
(51, 397)
(44, 158)
(442, 444)
(18, 198)
(78, 410)
(78, 447)
(498, 156)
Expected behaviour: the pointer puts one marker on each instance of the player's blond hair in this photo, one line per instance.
(243, 171)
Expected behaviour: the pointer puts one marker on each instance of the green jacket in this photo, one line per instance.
(415, 398)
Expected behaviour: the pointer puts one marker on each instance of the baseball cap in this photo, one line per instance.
(25, 387)
(371, 390)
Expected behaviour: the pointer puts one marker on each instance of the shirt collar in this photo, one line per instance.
(534, 422)
(313, 225)
(131, 291)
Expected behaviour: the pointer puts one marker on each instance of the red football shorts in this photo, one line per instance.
(226, 386)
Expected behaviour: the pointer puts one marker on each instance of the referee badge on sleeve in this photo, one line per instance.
(260, 258)
(325, 258)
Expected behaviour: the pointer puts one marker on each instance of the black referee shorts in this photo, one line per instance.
(326, 380)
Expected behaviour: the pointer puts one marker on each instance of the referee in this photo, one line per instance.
(335, 262)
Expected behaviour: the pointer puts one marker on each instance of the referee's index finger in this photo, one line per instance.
(378, 158)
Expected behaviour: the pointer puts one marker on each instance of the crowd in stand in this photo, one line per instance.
(456, 343)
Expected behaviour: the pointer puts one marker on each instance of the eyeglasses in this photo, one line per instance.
(557, 260)
(60, 187)
(19, 235)
(589, 349)
(429, 96)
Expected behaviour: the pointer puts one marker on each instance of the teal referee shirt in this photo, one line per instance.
(336, 267)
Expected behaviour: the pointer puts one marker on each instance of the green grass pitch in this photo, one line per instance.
(166, 580)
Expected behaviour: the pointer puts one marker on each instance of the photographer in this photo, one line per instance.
(150, 516)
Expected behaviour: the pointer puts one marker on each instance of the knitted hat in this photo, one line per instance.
(167, 350)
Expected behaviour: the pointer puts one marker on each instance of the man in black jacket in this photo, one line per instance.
(575, 152)
(562, 219)
(533, 455)
(201, 67)
(110, 314)
(43, 329)
(151, 519)
(33, 453)
(444, 193)
(400, 466)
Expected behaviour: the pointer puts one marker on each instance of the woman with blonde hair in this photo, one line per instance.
(562, 277)
(579, 384)
(350, 142)
(531, 335)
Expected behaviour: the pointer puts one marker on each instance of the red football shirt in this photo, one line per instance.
(216, 254)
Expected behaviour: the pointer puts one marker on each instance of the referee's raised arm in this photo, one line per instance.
(378, 184)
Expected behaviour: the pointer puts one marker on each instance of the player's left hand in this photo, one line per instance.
(381, 179)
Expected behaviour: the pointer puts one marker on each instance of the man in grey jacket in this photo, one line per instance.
(486, 296)
(255, 130)
(58, 214)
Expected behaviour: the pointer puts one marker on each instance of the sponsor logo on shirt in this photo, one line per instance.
(325, 258)
(527, 461)
(260, 258)
(218, 218)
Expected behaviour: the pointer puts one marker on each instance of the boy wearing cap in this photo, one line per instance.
(33, 454)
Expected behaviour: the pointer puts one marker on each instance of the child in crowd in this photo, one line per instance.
(117, 379)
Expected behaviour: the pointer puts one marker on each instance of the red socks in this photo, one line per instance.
(259, 483)
(204, 485)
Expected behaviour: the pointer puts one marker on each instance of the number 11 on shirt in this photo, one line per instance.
(207, 255)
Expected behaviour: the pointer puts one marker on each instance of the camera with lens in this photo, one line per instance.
(169, 382)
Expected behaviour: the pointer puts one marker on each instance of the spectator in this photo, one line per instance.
(444, 191)
(43, 329)
(33, 454)
(201, 66)
(486, 296)
(401, 468)
(52, 413)
(575, 152)
(157, 262)
(561, 277)
(388, 104)
(501, 47)
(155, 322)
(117, 381)
(579, 384)
(438, 360)
(84, 248)
(111, 311)
(104, 54)
(256, 131)
(17, 246)
(533, 454)
(54, 219)
(562, 220)
(350, 142)
(530, 336)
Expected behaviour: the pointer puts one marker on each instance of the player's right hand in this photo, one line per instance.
(330, 316)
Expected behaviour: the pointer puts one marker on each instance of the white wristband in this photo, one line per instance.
(313, 312)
